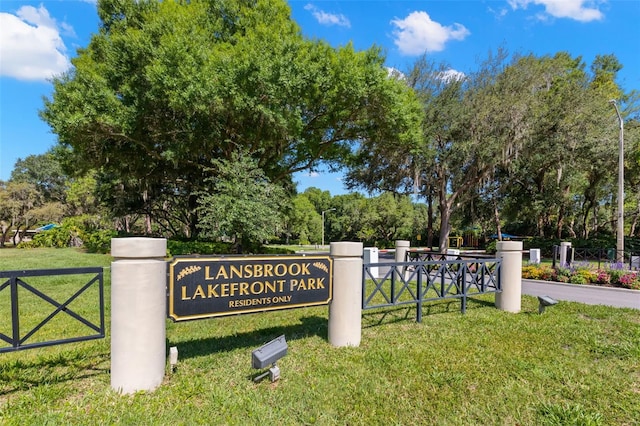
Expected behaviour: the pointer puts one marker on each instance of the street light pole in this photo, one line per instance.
(323, 212)
(620, 227)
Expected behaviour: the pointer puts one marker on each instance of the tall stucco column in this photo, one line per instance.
(564, 250)
(138, 313)
(402, 247)
(345, 309)
(509, 299)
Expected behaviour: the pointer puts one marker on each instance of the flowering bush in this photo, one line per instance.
(630, 280)
(615, 274)
(603, 277)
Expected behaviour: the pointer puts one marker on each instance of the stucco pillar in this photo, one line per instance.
(509, 299)
(138, 313)
(345, 309)
(402, 247)
(564, 249)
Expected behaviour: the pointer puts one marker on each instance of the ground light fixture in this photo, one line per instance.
(544, 302)
(269, 354)
(173, 357)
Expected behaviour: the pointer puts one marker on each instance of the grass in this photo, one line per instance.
(574, 365)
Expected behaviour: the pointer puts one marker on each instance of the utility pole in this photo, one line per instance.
(620, 227)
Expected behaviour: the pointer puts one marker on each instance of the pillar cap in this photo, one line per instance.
(509, 246)
(138, 247)
(403, 243)
(346, 248)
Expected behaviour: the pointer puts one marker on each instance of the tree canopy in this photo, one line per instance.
(166, 87)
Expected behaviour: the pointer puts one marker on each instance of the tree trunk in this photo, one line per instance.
(445, 223)
(430, 221)
(496, 218)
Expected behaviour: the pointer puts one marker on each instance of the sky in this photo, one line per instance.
(38, 39)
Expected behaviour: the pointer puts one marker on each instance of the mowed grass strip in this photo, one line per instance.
(575, 364)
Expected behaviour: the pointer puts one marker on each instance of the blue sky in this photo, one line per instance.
(37, 39)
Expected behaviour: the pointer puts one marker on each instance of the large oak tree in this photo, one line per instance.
(165, 87)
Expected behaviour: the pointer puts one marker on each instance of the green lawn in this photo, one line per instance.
(574, 365)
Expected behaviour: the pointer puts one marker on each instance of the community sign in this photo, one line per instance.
(205, 287)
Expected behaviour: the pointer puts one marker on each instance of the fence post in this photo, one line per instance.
(564, 249)
(402, 247)
(371, 256)
(510, 276)
(138, 313)
(345, 309)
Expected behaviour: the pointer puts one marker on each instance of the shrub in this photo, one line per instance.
(629, 280)
(99, 241)
(603, 277)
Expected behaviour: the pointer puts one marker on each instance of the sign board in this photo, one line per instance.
(205, 287)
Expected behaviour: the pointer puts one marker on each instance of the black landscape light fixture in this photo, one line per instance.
(544, 302)
(269, 354)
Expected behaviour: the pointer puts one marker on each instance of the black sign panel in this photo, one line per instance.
(204, 287)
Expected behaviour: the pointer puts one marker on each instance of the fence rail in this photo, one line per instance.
(16, 280)
(402, 283)
(600, 255)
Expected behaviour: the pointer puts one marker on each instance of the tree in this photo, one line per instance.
(18, 201)
(461, 142)
(45, 172)
(166, 87)
(244, 207)
(305, 223)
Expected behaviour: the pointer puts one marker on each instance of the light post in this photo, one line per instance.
(323, 212)
(620, 227)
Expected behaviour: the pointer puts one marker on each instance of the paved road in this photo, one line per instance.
(588, 294)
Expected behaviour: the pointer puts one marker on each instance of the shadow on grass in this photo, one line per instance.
(19, 375)
(392, 315)
(310, 326)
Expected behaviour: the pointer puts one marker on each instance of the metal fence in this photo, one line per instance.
(13, 281)
(416, 282)
(600, 255)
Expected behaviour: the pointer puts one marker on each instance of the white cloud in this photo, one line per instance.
(31, 47)
(417, 34)
(313, 174)
(451, 74)
(328, 18)
(579, 10)
(395, 73)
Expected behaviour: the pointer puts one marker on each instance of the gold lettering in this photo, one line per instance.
(270, 286)
(268, 270)
(212, 291)
(234, 289)
(259, 285)
(305, 269)
(224, 289)
(294, 269)
(236, 272)
(199, 292)
(320, 283)
(207, 273)
(244, 289)
(281, 269)
(184, 293)
(222, 272)
(257, 270)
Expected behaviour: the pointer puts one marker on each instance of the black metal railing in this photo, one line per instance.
(599, 255)
(16, 280)
(403, 283)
